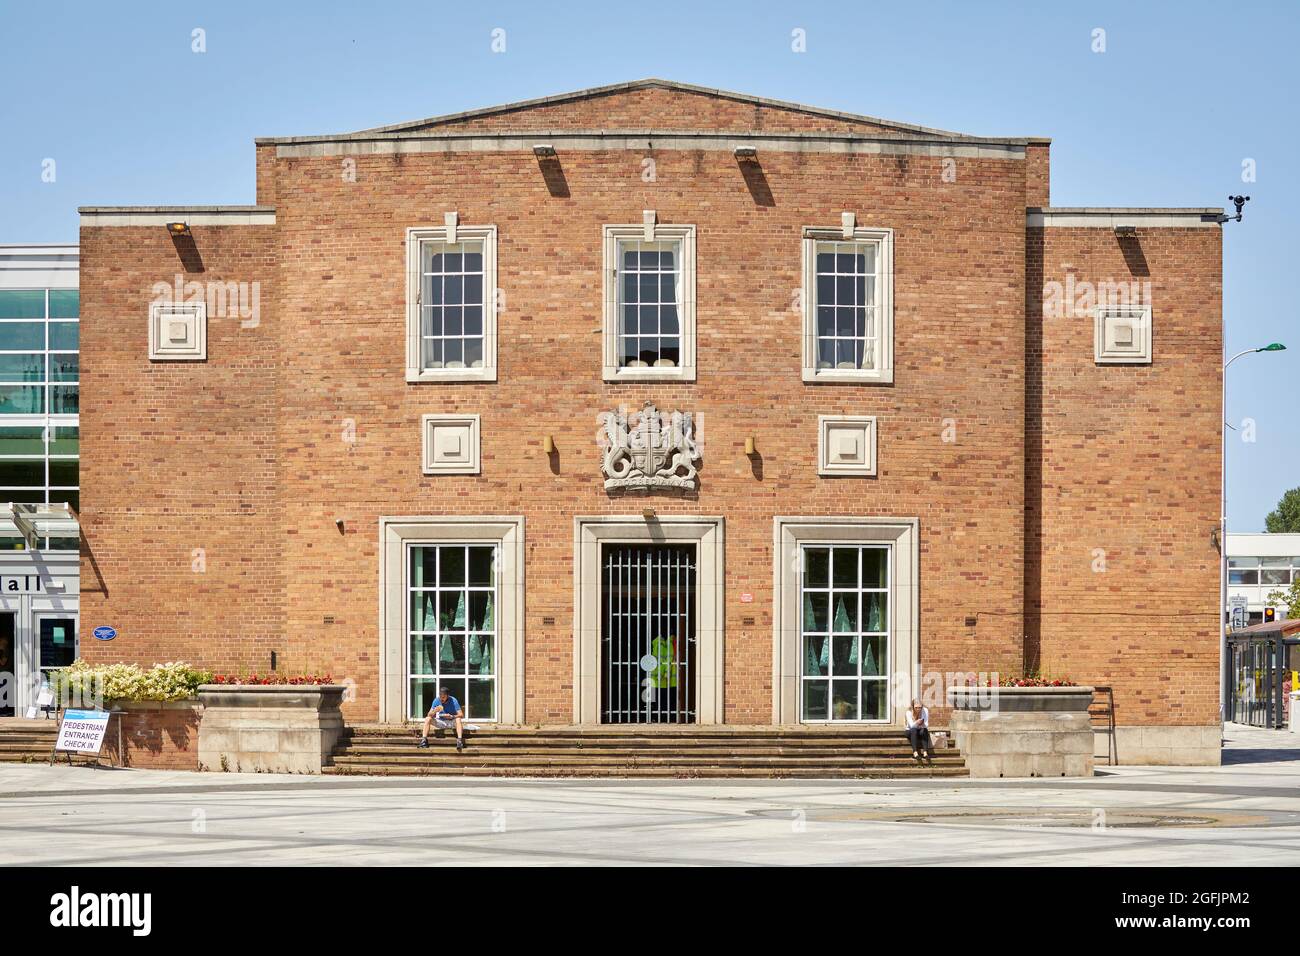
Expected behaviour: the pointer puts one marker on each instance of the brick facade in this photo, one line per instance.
(1122, 582)
(1016, 453)
(153, 735)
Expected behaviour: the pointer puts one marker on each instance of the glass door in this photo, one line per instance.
(56, 638)
(8, 666)
(451, 628)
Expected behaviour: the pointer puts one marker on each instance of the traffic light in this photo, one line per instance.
(1270, 614)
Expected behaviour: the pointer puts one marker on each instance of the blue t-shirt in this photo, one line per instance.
(450, 709)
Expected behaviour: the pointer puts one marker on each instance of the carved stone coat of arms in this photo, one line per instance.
(649, 449)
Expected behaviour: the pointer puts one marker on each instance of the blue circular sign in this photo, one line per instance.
(104, 633)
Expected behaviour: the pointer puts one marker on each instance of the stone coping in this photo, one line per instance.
(1079, 689)
(1137, 210)
(270, 688)
(190, 703)
(1108, 217)
(232, 209)
(569, 135)
(321, 698)
(1004, 701)
(146, 216)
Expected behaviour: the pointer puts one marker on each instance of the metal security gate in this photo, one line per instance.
(647, 641)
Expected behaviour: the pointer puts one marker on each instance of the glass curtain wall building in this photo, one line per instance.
(39, 429)
(39, 455)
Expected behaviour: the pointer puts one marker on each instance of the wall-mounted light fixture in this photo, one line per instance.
(648, 514)
(178, 228)
(749, 446)
(1126, 232)
(746, 154)
(548, 445)
(338, 523)
(544, 151)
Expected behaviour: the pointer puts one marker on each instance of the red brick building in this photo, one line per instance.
(888, 418)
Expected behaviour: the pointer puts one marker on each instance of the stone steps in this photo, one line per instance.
(649, 753)
(713, 752)
(446, 753)
(649, 731)
(25, 741)
(675, 772)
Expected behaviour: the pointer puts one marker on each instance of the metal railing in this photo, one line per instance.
(1258, 669)
(648, 645)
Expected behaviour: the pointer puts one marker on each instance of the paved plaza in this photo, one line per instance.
(1245, 813)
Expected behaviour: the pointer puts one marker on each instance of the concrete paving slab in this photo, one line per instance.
(1244, 813)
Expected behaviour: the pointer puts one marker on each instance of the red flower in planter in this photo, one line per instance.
(1037, 682)
(277, 680)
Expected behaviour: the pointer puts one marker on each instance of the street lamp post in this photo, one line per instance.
(1224, 677)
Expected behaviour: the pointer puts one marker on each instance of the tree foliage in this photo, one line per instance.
(1285, 519)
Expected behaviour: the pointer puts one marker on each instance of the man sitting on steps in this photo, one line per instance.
(445, 713)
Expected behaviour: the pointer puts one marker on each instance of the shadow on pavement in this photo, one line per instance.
(1259, 755)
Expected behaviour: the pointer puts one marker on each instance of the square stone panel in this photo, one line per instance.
(450, 444)
(1122, 335)
(846, 445)
(178, 331)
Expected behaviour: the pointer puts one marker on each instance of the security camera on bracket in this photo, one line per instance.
(1237, 201)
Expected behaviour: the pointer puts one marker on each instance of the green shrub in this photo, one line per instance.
(84, 682)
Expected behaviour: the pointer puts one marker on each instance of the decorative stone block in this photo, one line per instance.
(450, 444)
(178, 331)
(846, 445)
(1023, 731)
(1122, 335)
(270, 728)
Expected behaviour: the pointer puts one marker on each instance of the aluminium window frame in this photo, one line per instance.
(45, 420)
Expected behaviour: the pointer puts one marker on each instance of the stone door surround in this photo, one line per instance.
(589, 534)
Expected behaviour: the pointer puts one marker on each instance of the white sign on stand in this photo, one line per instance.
(82, 731)
(44, 698)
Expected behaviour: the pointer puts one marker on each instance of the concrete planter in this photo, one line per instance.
(153, 734)
(269, 729)
(1023, 731)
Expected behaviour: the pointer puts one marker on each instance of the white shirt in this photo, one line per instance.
(923, 722)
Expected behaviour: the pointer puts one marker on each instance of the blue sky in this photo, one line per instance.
(1183, 93)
